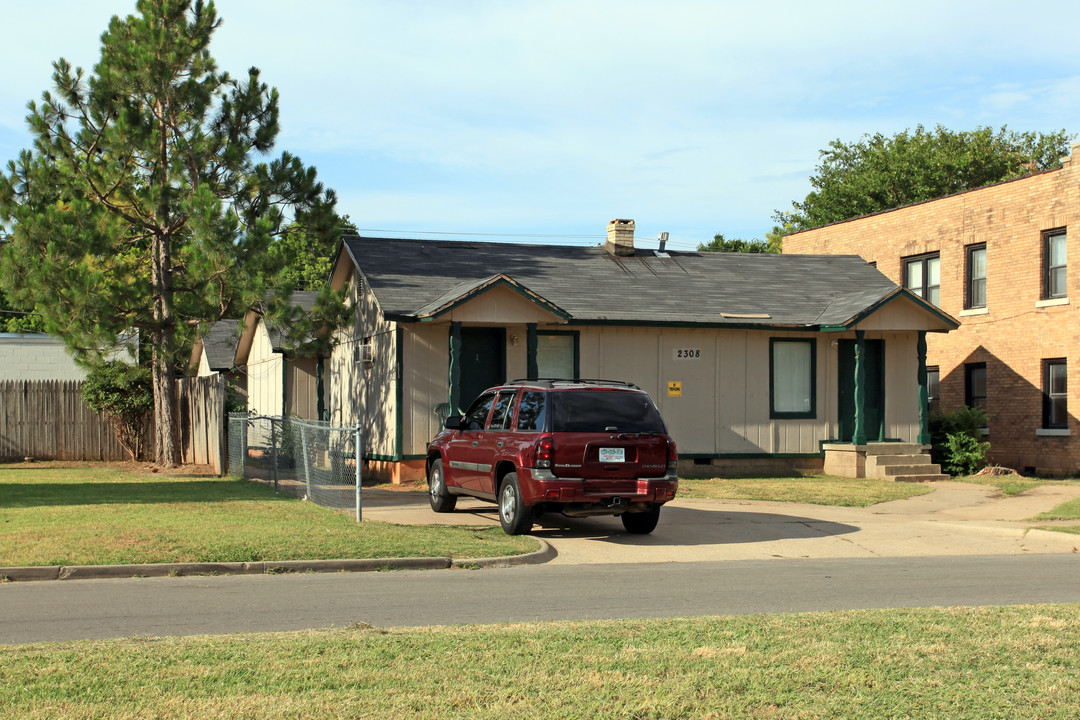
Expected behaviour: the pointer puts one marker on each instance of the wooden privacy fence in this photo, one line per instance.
(201, 422)
(48, 420)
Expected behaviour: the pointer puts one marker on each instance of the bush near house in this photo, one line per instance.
(955, 440)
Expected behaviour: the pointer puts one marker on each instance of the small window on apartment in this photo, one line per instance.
(1055, 401)
(922, 276)
(975, 385)
(975, 295)
(1055, 257)
(792, 369)
(933, 388)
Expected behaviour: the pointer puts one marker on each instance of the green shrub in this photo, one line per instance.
(124, 395)
(964, 454)
(955, 440)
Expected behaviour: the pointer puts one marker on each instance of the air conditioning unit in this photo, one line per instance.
(364, 353)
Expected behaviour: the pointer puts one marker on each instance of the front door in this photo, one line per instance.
(874, 405)
(483, 361)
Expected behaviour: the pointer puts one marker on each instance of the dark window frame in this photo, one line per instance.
(787, 414)
(1048, 269)
(933, 402)
(1050, 398)
(576, 335)
(970, 398)
(924, 260)
(970, 280)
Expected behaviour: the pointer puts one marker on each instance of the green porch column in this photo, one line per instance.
(859, 435)
(455, 367)
(924, 392)
(320, 389)
(532, 344)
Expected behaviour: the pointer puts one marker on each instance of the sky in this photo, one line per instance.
(539, 121)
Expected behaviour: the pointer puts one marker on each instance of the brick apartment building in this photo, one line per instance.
(998, 259)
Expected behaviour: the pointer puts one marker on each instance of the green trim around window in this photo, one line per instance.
(576, 334)
(789, 415)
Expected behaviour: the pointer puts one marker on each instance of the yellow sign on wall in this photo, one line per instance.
(674, 388)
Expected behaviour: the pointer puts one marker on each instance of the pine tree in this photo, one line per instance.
(141, 203)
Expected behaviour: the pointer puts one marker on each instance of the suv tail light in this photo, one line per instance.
(545, 448)
(672, 455)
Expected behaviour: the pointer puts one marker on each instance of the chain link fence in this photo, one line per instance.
(307, 458)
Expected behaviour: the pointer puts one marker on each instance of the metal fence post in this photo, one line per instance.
(307, 464)
(243, 446)
(359, 475)
(273, 451)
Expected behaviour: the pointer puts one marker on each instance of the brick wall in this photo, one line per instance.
(1015, 332)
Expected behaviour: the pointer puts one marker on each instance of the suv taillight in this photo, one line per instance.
(544, 450)
(672, 455)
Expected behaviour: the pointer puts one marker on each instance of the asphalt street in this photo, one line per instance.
(92, 609)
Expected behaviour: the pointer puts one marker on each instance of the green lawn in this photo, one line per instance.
(1008, 484)
(106, 515)
(815, 489)
(959, 664)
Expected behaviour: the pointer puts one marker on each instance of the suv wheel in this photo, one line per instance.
(641, 523)
(514, 516)
(441, 500)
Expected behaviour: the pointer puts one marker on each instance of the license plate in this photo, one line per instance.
(613, 455)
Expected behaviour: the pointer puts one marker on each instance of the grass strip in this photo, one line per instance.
(102, 516)
(958, 663)
(813, 489)
(1009, 485)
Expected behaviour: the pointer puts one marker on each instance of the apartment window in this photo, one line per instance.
(792, 369)
(933, 388)
(975, 385)
(922, 276)
(1055, 401)
(976, 277)
(1055, 258)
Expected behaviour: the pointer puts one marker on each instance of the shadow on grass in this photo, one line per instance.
(46, 494)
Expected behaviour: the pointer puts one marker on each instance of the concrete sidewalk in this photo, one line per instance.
(955, 519)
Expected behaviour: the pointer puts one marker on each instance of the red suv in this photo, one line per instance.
(579, 447)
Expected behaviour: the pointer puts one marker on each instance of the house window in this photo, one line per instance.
(1055, 258)
(1055, 402)
(933, 388)
(975, 385)
(792, 370)
(976, 277)
(922, 276)
(557, 354)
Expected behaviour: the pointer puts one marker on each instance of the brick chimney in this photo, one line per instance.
(620, 237)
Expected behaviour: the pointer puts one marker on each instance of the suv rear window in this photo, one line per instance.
(590, 411)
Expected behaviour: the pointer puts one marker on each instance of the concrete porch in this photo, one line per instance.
(899, 462)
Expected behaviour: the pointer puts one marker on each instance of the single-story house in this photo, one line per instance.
(280, 383)
(756, 361)
(39, 356)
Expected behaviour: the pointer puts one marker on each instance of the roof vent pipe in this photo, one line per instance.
(620, 237)
(662, 237)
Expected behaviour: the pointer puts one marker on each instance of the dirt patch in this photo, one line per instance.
(998, 471)
(136, 468)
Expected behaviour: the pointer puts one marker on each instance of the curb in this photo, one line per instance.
(99, 572)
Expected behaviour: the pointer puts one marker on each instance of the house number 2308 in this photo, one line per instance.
(687, 353)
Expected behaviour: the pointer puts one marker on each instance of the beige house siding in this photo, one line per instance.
(366, 390)
(265, 372)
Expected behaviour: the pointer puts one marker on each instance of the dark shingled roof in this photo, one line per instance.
(220, 344)
(303, 299)
(414, 278)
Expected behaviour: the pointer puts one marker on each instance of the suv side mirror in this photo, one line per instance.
(453, 422)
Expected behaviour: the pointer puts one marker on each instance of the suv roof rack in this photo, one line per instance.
(552, 382)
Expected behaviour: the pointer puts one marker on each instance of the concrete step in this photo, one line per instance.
(893, 448)
(891, 471)
(918, 478)
(883, 460)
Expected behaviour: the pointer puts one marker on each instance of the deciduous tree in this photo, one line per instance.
(880, 173)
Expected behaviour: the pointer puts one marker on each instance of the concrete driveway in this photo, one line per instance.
(955, 519)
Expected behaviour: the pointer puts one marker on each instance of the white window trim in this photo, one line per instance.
(1053, 432)
(975, 311)
(1051, 302)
